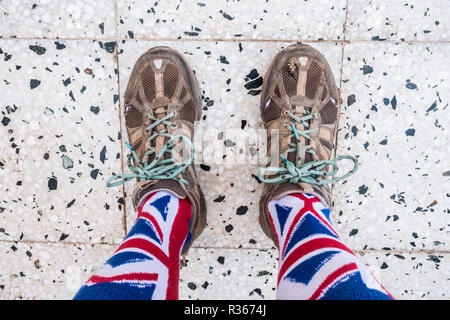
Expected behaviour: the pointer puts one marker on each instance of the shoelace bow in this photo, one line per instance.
(309, 172)
(159, 168)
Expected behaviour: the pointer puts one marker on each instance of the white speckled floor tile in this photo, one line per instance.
(229, 274)
(259, 19)
(395, 120)
(59, 140)
(47, 271)
(409, 276)
(398, 20)
(56, 271)
(57, 19)
(232, 193)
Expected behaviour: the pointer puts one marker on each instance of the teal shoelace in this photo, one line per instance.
(308, 172)
(158, 168)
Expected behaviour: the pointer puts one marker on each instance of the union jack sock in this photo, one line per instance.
(314, 263)
(146, 265)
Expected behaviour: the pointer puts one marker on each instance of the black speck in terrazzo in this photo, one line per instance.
(384, 142)
(433, 107)
(353, 232)
(254, 84)
(34, 83)
(410, 85)
(5, 121)
(243, 123)
(241, 210)
(110, 46)
(59, 45)
(351, 99)
(229, 228)
(229, 143)
(70, 203)
(257, 291)
(115, 98)
(103, 154)
(226, 15)
(219, 198)
(67, 82)
(384, 266)
(363, 189)
(94, 173)
(205, 285)
(63, 236)
(205, 167)
(367, 69)
(223, 60)
(71, 96)
(192, 286)
(394, 102)
(52, 183)
(354, 131)
(254, 92)
(131, 34)
(433, 258)
(253, 81)
(253, 74)
(95, 109)
(102, 27)
(221, 260)
(39, 50)
(410, 132)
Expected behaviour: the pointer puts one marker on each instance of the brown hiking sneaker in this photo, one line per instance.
(162, 101)
(300, 108)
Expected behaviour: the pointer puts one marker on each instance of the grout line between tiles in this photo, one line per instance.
(124, 205)
(356, 251)
(344, 28)
(395, 251)
(346, 18)
(72, 243)
(234, 40)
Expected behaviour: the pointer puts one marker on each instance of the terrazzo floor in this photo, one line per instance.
(64, 66)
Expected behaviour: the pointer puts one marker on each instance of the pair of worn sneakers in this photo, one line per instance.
(299, 101)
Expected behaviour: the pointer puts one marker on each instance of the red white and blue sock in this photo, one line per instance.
(314, 263)
(146, 265)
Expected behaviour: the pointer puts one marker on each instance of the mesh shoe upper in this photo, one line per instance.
(162, 101)
(300, 103)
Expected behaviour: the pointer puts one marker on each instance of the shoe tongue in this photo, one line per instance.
(159, 141)
(285, 189)
(292, 156)
(161, 185)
